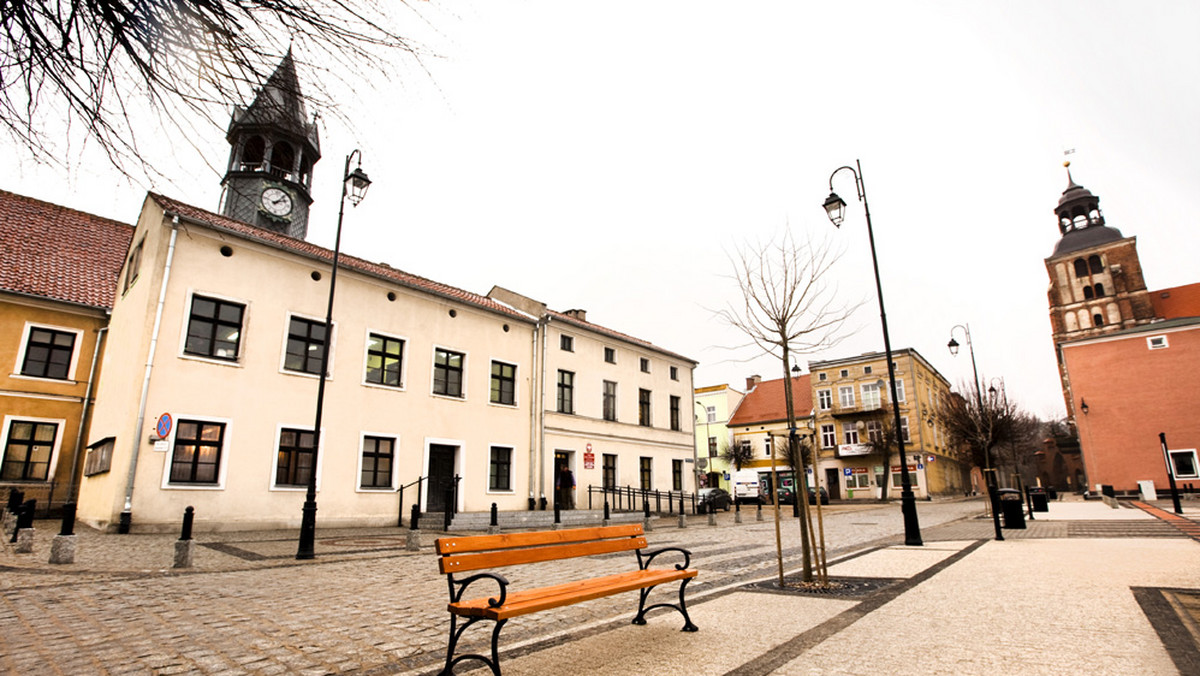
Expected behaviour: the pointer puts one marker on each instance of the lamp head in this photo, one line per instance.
(835, 207)
(953, 345)
(356, 185)
(1083, 405)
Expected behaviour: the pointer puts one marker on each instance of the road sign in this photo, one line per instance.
(163, 427)
(847, 471)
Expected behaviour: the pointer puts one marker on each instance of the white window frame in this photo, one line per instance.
(287, 324)
(433, 368)
(1157, 342)
(846, 396)
(272, 484)
(904, 428)
(362, 445)
(849, 429)
(870, 402)
(186, 319)
(824, 399)
(512, 476)
(405, 355)
(828, 435)
(24, 346)
(58, 439)
(900, 391)
(1195, 463)
(516, 382)
(226, 444)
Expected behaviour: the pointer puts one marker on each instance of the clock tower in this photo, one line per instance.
(273, 147)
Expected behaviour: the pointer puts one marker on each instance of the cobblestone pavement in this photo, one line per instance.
(365, 604)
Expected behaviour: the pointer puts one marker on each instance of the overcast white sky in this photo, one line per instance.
(607, 156)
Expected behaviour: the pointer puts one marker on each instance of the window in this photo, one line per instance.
(1099, 290)
(824, 399)
(566, 392)
(196, 458)
(609, 470)
(900, 390)
(1081, 268)
(646, 472)
(99, 457)
(712, 447)
(1098, 319)
(867, 370)
(674, 403)
(305, 346)
(1095, 264)
(504, 383)
(821, 377)
(385, 357)
(1156, 342)
(674, 373)
(133, 266)
(448, 372)
(294, 462)
(849, 433)
(1183, 464)
(904, 429)
(610, 400)
(828, 436)
(875, 431)
(215, 329)
(566, 343)
(500, 469)
(870, 395)
(378, 457)
(845, 373)
(644, 408)
(677, 475)
(745, 444)
(846, 396)
(767, 446)
(48, 353)
(710, 414)
(1088, 293)
(645, 364)
(28, 450)
(610, 355)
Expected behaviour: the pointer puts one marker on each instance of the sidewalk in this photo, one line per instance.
(1025, 606)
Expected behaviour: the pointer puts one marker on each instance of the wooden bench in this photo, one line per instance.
(474, 553)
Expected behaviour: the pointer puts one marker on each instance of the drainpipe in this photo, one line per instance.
(541, 459)
(127, 512)
(87, 406)
(533, 412)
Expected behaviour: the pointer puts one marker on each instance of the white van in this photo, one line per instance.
(745, 485)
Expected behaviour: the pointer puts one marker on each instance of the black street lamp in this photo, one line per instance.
(836, 208)
(988, 473)
(354, 186)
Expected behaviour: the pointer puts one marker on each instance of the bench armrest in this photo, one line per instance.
(502, 581)
(645, 559)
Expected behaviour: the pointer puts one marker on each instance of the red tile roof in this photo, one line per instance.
(1176, 302)
(766, 403)
(58, 253)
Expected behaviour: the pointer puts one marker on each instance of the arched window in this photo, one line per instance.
(1098, 319)
(1081, 268)
(1072, 323)
(1114, 313)
(283, 159)
(1084, 320)
(1095, 264)
(1099, 288)
(252, 153)
(1081, 222)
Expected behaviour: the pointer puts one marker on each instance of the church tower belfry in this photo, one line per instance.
(1096, 282)
(273, 147)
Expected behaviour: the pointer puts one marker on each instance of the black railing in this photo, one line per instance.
(417, 483)
(630, 499)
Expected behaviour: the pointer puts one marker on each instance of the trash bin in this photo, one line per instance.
(1012, 507)
(1038, 497)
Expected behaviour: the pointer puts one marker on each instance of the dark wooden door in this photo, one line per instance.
(441, 476)
(833, 483)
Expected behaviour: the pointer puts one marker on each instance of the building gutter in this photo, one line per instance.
(541, 413)
(73, 489)
(127, 512)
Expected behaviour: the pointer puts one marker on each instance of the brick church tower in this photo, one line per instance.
(1096, 283)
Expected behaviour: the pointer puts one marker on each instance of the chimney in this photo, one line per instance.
(752, 382)
(581, 315)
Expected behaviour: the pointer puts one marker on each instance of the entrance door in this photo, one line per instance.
(441, 476)
(833, 483)
(564, 480)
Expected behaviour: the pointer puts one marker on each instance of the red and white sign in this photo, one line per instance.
(589, 459)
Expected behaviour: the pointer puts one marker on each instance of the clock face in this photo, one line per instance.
(277, 202)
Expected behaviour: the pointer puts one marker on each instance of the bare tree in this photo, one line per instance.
(788, 307)
(103, 68)
(881, 439)
(987, 428)
(736, 455)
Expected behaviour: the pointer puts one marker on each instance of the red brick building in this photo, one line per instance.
(1128, 356)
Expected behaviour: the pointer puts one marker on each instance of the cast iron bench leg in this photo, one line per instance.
(451, 660)
(682, 607)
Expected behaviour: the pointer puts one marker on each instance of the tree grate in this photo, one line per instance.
(839, 587)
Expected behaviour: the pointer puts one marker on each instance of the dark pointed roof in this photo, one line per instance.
(280, 103)
(1078, 202)
(61, 254)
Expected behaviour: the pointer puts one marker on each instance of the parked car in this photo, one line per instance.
(745, 486)
(716, 498)
(787, 494)
(812, 496)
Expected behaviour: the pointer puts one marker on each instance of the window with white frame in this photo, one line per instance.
(875, 431)
(767, 446)
(710, 414)
(214, 329)
(900, 390)
(1183, 464)
(904, 428)
(196, 454)
(385, 360)
(870, 395)
(504, 383)
(48, 352)
(846, 396)
(1157, 342)
(822, 377)
(610, 400)
(849, 433)
(566, 343)
(306, 344)
(824, 399)
(448, 367)
(828, 436)
(294, 457)
(29, 449)
(500, 469)
(378, 459)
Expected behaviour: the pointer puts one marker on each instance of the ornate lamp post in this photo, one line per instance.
(989, 473)
(836, 208)
(354, 186)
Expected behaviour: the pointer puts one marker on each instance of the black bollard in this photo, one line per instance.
(15, 498)
(68, 519)
(24, 517)
(543, 502)
(646, 508)
(495, 516)
(188, 515)
(449, 511)
(606, 514)
(416, 516)
(557, 513)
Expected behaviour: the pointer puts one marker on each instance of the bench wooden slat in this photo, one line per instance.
(480, 543)
(459, 563)
(545, 598)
